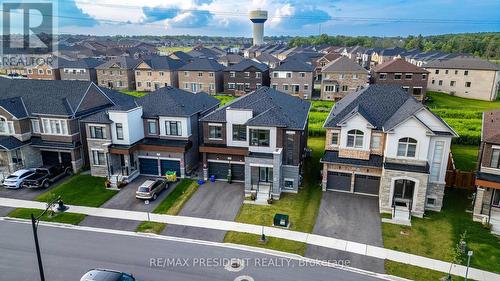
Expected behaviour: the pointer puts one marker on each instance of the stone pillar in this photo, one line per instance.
(276, 192)
(248, 178)
(478, 204)
(324, 177)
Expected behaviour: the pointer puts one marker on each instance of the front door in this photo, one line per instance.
(403, 191)
(265, 174)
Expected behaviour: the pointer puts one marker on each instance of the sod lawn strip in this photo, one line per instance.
(171, 205)
(415, 273)
(69, 218)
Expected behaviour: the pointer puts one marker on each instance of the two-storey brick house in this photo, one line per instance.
(118, 73)
(81, 69)
(156, 72)
(201, 75)
(40, 121)
(410, 77)
(245, 76)
(158, 133)
(380, 141)
(487, 199)
(258, 139)
(294, 77)
(341, 77)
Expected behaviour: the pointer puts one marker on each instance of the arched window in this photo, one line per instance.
(355, 139)
(407, 147)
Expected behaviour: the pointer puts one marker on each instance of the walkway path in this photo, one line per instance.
(311, 239)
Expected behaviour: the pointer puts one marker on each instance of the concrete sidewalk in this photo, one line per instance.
(312, 239)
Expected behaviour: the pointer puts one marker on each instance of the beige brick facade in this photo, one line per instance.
(336, 85)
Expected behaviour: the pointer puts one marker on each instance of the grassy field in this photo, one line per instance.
(82, 190)
(224, 98)
(170, 50)
(171, 205)
(302, 208)
(438, 233)
(465, 156)
(414, 272)
(69, 218)
(134, 93)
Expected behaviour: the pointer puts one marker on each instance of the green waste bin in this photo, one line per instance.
(281, 220)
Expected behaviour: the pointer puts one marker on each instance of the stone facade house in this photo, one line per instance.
(156, 72)
(294, 77)
(81, 69)
(410, 77)
(43, 72)
(321, 62)
(118, 73)
(202, 75)
(258, 139)
(245, 77)
(380, 141)
(487, 199)
(158, 133)
(380, 56)
(40, 121)
(465, 77)
(342, 77)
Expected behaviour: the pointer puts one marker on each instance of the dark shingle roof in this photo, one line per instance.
(121, 62)
(463, 63)
(231, 58)
(269, 107)
(169, 101)
(14, 106)
(343, 64)
(266, 57)
(245, 64)
(10, 143)
(201, 64)
(81, 63)
(182, 56)
(398, 65)
(163, 63)
(488, 177)
(294, 65)
(407, 167)
(99, 117)
(333, 157)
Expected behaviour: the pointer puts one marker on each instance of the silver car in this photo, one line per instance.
(15, 179)
(107, 275)
(150, 189)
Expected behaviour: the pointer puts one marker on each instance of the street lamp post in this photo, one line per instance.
(34, 224)
(469, 255)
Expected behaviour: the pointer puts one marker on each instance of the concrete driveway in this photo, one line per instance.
(352, 217)
(218, 200)
(125, 200)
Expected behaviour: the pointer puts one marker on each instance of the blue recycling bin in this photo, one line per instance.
(200, 181)
(212, 178)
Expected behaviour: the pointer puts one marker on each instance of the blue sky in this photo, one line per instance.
(286, 17)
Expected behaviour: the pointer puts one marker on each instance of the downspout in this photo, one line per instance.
(491, 202)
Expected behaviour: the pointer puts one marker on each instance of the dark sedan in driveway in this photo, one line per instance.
(150, 189)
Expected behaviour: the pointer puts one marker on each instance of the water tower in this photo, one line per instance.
(258, 17)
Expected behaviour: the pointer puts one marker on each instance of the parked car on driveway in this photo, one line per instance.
(150, 189)
(44, 176)
(15, 179)
(107, 275)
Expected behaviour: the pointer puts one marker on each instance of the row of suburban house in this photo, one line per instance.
(380, 141)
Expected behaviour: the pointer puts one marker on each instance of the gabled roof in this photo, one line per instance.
(202, 64)
(81, 63)
(10, 142)
(246, 64)
(14, 106)
(491, 126)
(231, 58)
(266, 57)
(398, 65)
(384, 106)
(162, 63)
(330, 57)
(463, 63)
(182, 56)
(269, 107)
(294, 65)
(391, 52)
(120, 62)
(169, 101)
(343, 64)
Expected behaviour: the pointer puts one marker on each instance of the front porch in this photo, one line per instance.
(487, 201)
(263, 176)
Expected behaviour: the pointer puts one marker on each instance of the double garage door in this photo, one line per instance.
(149, 166)
(221, 170)
(52, 157)
(338, 181)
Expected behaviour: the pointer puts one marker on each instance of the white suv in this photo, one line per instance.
(15, 179)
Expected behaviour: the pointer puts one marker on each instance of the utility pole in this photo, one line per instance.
(469, 255)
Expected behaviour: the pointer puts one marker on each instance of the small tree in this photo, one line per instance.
(458, 252)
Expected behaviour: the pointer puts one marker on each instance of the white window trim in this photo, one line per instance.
(33, 126)
(93, 159)
(288, 179)
(47, 130)
(214, 125)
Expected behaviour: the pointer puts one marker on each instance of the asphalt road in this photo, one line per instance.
(68, 253)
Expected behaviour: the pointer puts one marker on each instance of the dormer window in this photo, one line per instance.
(355, 139)
(407, 147)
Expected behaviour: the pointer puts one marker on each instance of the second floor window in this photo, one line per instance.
(152, 127)
(375, 143)
(239, 133)
(259, 137)
(119, 131)
(55, 126)
(35, 124)
(382, 76)
(407, 147)
(355, 139)
(232, 74)
(335, 138)
(97, 132)
(495, 159)
(397, 76)
(173, 128)
(215, 132)
(6, 127)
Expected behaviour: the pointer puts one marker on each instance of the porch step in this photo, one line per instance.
(495, 226)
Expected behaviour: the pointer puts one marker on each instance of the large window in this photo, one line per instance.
(119, 131)
(98, 157)
(375, 143)
(97, 132)
(55, 126)
(436, 160)
(355, 138)
(239, 133)
(6, 127)
(407, 147)
(173, 128)
(35, 124)
(152, 129)
(259, 137)
(290, 146)
(495, 158)
(215, 132)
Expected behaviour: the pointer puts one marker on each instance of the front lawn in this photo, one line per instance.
(69, 218)
(171, 205)
(414, 272)
(465, 156)
(302, 208)
(436, 234)
(82, 190)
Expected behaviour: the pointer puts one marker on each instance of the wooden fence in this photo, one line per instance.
(459, 179)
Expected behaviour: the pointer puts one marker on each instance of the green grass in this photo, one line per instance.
(302, 208)
(175, 49)
(436, 234)
(134, 93)
(224, 98)
(82, 190)
(69, 218)
(171, 205)
(442, 100)
(465, 156)
(414, 272)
